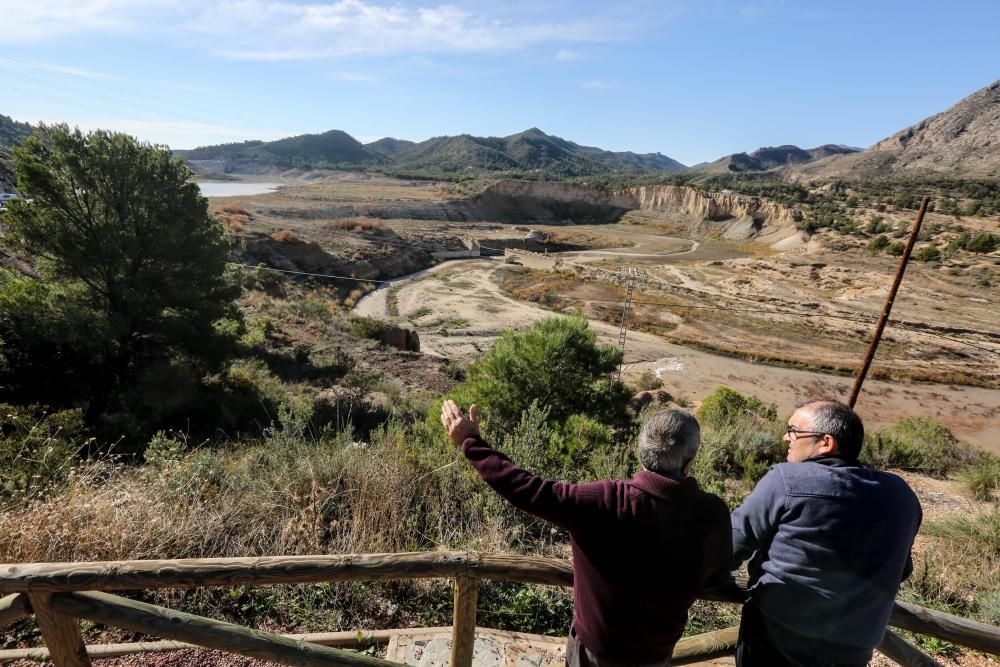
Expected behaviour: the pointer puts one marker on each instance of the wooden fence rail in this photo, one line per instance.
(59, 593)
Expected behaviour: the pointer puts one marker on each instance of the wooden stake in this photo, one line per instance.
(903, 261)
(463, 633)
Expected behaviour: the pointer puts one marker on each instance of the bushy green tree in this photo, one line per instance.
(556, 372)
(116, 228)
(558, 363)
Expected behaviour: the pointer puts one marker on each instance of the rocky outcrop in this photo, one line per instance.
(401, 339)
(296, 255)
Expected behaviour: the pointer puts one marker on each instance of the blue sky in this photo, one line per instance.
(694, 80)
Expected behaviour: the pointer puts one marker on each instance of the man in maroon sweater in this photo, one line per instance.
(643, 549)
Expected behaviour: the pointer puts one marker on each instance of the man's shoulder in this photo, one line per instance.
(808, 478)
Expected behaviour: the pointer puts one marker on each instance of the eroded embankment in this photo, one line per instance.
(536, 202)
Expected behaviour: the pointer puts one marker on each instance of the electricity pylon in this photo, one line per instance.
(630, 275)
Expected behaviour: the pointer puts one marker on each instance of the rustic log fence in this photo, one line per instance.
(59, 594)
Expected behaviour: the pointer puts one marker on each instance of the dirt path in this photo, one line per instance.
(458, 315)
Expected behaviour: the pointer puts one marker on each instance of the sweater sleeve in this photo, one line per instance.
(569, 506)
(755, 522)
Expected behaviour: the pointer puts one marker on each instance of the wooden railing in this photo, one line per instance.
(58, 594)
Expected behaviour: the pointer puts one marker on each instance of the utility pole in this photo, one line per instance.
(631, 275)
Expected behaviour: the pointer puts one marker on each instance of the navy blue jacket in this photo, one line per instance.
(829, 543)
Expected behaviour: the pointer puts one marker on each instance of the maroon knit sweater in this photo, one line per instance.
(643, 550)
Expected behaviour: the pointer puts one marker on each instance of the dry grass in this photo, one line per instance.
(358, 224)
(286, 496)
(284, 236)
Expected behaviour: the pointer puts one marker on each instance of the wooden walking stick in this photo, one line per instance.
(903, 261)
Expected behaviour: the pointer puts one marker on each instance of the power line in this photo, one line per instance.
(316, 275)
(131, 92)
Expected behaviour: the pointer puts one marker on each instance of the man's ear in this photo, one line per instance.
(829, 446)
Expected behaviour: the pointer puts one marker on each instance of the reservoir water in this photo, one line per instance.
(233, 189)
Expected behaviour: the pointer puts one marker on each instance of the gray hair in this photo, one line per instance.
(838, 420)
(668, 440)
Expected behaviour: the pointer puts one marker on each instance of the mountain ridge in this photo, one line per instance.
(529, 151)
(961, 141)
(767, 158)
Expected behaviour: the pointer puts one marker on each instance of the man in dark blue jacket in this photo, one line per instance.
(829, 543)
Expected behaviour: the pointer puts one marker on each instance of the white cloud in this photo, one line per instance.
(46, 19)
(359, 77)
(298, 29)
(567, 55)
(176, 134)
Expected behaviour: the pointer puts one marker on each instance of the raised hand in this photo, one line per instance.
(457, 425)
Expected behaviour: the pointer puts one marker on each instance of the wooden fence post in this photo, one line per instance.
(899, 651)
(463, 632)
(61, 633)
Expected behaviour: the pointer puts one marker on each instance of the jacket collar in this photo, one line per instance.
(833, 461)
(662, 486)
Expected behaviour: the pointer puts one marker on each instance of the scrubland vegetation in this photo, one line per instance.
(254, 425)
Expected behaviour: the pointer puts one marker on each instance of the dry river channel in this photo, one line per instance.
(458, 310)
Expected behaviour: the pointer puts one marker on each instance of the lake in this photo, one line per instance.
(233, 189)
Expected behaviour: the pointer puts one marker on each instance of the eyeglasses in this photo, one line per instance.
(795, 433)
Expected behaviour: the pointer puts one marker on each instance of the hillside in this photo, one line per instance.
(329, 150)
(773, 157)
(389, 146)
(11, 134)
(528, 151)
(963, 141)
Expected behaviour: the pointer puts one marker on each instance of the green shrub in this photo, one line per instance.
(980, 533)
(895, 249)
(919, 444)
(928, 253)
(366, 327)
(877, 244)
(37, 449)
(982, 243)
(725, 407)
(741, 438)
(164, 451)
(982, 480)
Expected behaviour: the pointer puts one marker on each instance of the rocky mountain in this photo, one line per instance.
(773, 157)
(330, 150)
(963, 141)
